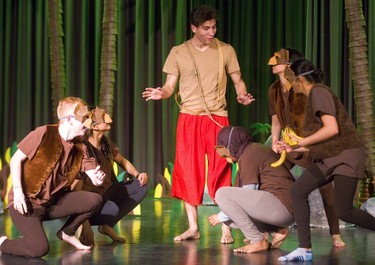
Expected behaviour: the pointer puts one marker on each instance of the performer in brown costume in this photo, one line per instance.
(288, 109)
(337, 152)
(43, 168)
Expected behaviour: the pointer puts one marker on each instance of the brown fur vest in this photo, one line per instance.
(40, 167)
(347, 138)
(296, 107)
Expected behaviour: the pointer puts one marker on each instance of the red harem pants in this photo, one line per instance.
(196, 137)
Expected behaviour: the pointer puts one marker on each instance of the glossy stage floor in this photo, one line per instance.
(150, 241)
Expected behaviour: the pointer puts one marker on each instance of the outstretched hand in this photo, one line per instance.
(245, 99)
(152, 93)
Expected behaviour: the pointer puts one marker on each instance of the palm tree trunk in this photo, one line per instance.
(108, 55)
(363, 93)
(56, 49)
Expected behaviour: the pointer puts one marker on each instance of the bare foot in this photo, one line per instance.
(253, 247)
(278, 238)
(86, 235)
(226, 237)
(109, 231)
(188, 234)
(2, 239)
(337, 242)
(71, 240)
(214, 219)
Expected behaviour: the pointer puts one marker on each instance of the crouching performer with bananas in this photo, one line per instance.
(287, 111)
(256, 212)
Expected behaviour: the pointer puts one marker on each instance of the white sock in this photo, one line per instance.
(300, 254)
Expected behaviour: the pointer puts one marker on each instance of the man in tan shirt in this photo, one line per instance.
(201, 64)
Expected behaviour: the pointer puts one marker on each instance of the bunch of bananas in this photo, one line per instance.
(289, 141)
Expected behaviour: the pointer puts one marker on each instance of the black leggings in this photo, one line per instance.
(344, 192)
(119, 200)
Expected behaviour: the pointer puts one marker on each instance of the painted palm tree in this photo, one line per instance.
(363, 92)
(108, 63)
(56, 50)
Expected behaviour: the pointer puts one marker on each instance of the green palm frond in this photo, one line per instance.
(261, 129)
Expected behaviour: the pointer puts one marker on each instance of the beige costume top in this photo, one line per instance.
(180, 63)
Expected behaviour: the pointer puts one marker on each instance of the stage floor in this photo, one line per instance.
(150, 241)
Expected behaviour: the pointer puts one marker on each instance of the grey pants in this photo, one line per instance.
(253, 211)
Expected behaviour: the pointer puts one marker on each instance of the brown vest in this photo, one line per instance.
(40, 167)
(296, 107)
(347, 138)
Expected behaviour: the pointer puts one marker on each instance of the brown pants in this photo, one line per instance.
(79, 206)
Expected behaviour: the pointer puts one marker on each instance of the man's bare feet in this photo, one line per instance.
(253, 247)
(226, 237)
(188, 234)
(278, 238)
(71, 240)
(337, 242)
(109, 231)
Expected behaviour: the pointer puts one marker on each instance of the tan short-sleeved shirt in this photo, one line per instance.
(181, 64)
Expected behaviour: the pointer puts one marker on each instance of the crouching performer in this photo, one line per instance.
(256, 212)
(43, 168)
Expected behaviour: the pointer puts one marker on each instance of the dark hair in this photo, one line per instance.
(303, 66)
(203, 13)
(294, 55)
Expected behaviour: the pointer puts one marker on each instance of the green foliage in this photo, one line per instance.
(260, 131)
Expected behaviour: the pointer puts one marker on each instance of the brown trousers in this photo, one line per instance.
(78, 206)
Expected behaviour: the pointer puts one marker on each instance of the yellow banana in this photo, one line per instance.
(286, 138)
(281, 159)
